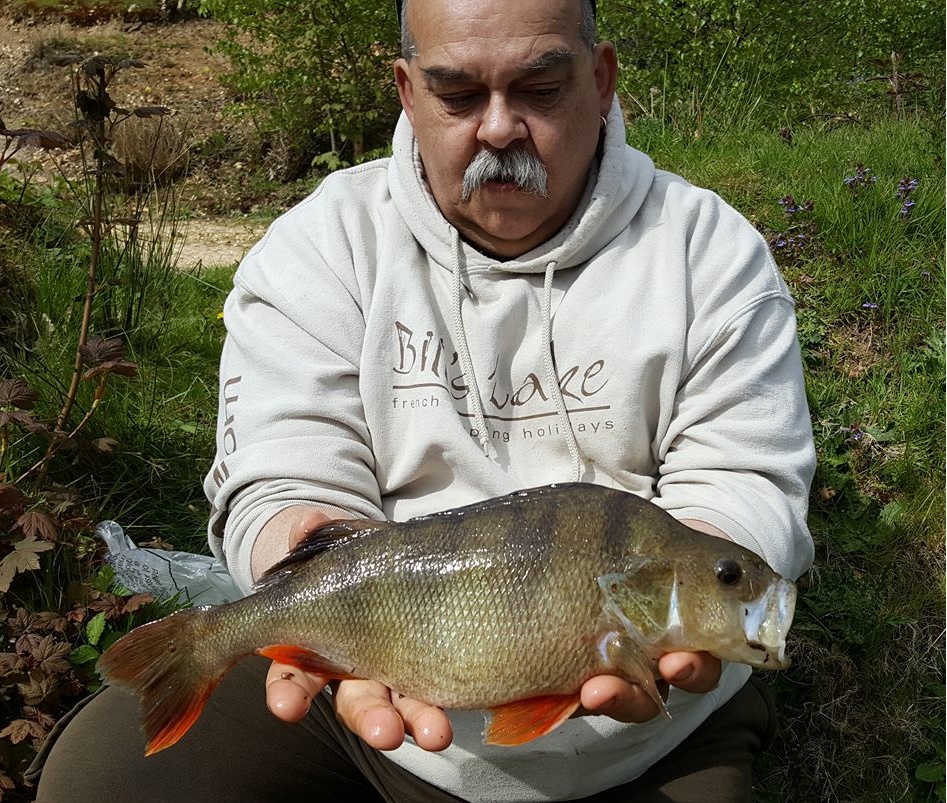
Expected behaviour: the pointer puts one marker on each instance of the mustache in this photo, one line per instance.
(519, 167)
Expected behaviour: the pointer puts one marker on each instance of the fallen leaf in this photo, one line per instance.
(21, 729)
(104, 445)
(52, 655)
(36, 523)
(23, 558)
(38, 688)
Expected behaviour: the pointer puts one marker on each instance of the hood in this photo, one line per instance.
(613, 195)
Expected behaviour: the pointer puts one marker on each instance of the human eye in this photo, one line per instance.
(543, 94)
(458, 101)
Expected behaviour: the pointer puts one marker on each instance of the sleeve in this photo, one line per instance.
(291, 427)
(738, 452)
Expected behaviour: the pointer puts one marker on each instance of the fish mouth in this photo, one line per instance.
(766, 621)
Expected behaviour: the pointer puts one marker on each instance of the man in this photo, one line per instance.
(515, 298)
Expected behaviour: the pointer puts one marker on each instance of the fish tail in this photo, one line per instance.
(173, 679)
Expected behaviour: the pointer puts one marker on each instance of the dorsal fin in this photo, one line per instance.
(325, 537)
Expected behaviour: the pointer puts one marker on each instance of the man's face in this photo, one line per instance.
(505, 76)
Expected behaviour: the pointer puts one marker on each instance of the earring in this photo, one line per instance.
(604, 124)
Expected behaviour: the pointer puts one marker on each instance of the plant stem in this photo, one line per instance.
(95, 233)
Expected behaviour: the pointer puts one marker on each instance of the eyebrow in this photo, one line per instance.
(547, 61)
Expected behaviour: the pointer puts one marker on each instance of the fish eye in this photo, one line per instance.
(728, 571)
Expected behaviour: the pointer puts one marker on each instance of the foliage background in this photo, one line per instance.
(811, 118)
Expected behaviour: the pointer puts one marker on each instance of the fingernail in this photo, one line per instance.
(684, 674)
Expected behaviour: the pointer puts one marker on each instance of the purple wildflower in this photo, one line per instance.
(905, 187)
(855, 432)
(869, 305)
(791, 207)
(862, 178)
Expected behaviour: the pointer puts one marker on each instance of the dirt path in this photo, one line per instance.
(213, 242)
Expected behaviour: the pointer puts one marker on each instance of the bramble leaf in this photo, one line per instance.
(23, 558)
(21, 729)
(11, 663)
(37, 524)
(98, 350)
(95, 628)
(152, 111)
(39, 687)
(84, 654)
(11, 497)
(51, 655)
(16, 393)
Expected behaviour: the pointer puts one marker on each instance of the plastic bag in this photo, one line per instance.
(195, 579)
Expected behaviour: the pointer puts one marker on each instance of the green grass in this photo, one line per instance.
(862, 707)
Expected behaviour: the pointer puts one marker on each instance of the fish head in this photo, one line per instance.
(720, 598)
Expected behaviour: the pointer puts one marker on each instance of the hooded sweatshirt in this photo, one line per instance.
(379, 365)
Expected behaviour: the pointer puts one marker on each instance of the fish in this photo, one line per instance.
(507, 605)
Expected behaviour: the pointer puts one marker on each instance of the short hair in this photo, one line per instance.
(587, 30)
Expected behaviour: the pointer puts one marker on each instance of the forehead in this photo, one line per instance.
(466, 33)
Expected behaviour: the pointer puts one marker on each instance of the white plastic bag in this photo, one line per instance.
(196, 579)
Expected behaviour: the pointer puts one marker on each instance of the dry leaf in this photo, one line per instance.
(99, 350)
(11, 663)
(135, 601)
(23, 558)
(11, 497)
(104, 445)
(52, 656)
(22, 729)
(37, 524)
(16, 393)
(38, 688)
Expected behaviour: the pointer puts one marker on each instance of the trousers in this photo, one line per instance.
(237, 752)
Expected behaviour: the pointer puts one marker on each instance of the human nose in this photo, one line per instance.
(501, 124)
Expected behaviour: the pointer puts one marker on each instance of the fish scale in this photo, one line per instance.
(507, 605)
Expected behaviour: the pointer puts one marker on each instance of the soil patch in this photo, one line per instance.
(212, 242)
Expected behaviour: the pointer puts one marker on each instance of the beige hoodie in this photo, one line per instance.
(377, 363)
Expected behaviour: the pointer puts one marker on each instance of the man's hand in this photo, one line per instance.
(380, 717)
(611, 696)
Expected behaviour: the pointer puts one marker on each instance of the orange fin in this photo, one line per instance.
(306, 660)
(522, 721)
(158, 663)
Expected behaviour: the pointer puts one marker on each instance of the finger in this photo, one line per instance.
(364, 707)
(695, 672)
(427, 724)
(289, 691)
(618, 699)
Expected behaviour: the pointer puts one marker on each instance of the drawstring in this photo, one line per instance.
(474, 402)
(463, 352)
(552, 380)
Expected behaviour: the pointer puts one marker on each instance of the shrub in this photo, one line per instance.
(315, 76)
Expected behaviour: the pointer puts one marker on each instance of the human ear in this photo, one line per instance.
(405, 87)
(606, 74)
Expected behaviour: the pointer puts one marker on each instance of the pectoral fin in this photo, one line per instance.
(522, 721)
(625, 657)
